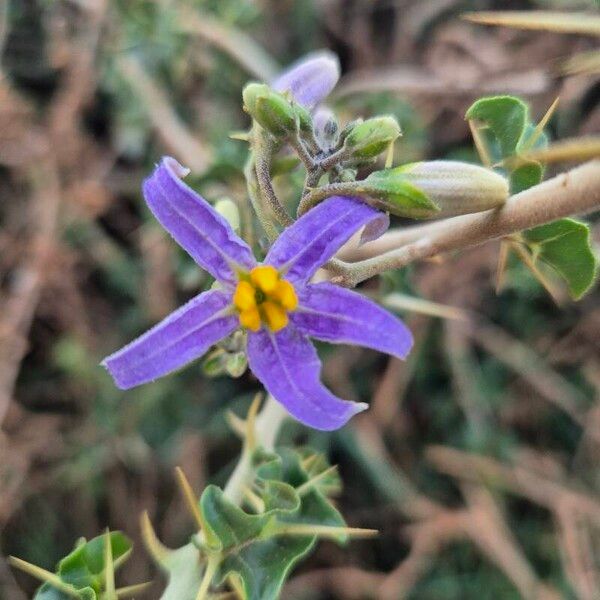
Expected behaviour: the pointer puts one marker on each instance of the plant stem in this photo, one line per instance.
(314, 196)
(256, 200)
(267, 426)
(211, 568)
(571, 193)
(263, 152)
(302, 151)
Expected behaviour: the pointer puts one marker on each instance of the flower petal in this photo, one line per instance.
(181, 337)
(195, 225)
(314, 238)
(334, 314)
(288, 366)
(311, 79)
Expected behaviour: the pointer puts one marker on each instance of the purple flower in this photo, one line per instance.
(274, 302)
(311, 79)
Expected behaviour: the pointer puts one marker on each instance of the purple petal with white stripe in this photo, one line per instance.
(333, 314)
(183, 336)
(314, 238)
(196, 226)
(311, 79)
(288, 366)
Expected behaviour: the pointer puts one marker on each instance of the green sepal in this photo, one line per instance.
(397, 194)
(274, 111)
(565, 245)
(370, 138)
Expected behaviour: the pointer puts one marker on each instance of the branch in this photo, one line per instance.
(571, 193)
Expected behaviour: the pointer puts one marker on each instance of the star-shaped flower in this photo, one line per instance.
(274, 302)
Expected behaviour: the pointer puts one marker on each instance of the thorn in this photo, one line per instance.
(251, 422)
(109, 568)
(237, 424)
(132, 590)
(542, 279)
(189, 496)
(539, 129)
(256, 502)
(305, 487)
(155, 547)
(242, 136)
(308, 462)
(46, 576)
(325, 531)
(502, 264)
(480, 145)
(235, 582)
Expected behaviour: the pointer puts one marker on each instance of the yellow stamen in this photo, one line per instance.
(250, 319)
(285, 294)
(265, 277)
(274, 315)
(262, 297)
(244, 297)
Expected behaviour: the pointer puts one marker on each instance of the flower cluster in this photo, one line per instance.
(275, 303)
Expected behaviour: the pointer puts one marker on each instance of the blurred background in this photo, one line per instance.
(479, 458)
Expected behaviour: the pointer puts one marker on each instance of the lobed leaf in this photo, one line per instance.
(506, 116)
(258, 550)
(85, 565)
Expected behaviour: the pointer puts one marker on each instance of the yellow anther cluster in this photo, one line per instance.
(263, 297)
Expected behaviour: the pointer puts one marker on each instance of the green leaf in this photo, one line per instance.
(260, 549)
(525, 176)
(261, 564)
(85, 566)
(506, 116)
(565, 245)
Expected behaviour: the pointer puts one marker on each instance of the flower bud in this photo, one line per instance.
(458, 188)
(371, 137)
(440, 188)
(325, 127)
(274, 111)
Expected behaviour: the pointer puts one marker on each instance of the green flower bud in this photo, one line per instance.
(274, 111)
(371, 137)
(458, 188)
(440, 188)
(251, 93)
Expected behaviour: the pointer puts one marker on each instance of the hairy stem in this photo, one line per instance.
(267, 426)
(263, 151)
(256, 200)
(316, 195)
(571, 193)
